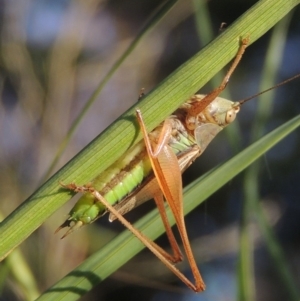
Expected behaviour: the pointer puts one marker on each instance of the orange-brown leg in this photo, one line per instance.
(168, 174)
(196, 109)
(152, 246)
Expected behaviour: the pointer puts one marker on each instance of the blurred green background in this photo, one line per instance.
(53, 54)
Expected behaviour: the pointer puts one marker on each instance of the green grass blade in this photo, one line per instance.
(148, 26)
(205, 32)
(106, 148)
(22, 275)
(245, 273)
(246, 278)
(16, 267)
(156, 106)
(104, 262)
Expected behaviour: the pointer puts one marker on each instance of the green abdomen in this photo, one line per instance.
(122, 178)
(124, 175)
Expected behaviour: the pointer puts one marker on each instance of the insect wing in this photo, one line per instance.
(205, 133)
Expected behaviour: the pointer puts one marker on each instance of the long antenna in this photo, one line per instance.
(276, 86)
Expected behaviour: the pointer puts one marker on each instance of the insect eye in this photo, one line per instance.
(230, 116)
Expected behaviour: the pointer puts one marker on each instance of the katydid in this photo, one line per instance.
(152, 169)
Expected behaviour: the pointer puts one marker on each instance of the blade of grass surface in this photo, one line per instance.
(148, 26)
(22, 277)
(205, 31)
(246, 287)
(16, 267)
(156, 106)
(104, 262)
